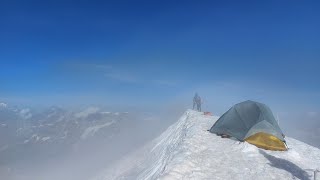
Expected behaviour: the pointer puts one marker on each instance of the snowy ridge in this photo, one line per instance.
(186, 150)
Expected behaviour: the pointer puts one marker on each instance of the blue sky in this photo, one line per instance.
(143, 52)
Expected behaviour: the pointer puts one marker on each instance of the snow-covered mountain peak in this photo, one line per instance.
(25, 113)
(87, 112)
(186, 150)
(3, 105)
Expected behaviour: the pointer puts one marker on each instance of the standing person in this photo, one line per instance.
(197, 101)
(199, 104)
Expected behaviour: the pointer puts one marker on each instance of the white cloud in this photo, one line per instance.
(102, 66)
(165, 82)
(122, 76)
(88, 66)
(110, 72)
(312, 114)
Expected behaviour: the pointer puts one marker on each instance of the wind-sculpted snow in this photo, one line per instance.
(186, 150)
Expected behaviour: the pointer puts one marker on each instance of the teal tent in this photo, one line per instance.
(252, 122)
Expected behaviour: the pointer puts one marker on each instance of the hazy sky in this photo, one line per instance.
(147, 52)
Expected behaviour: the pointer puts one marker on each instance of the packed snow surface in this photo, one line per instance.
(186, 150)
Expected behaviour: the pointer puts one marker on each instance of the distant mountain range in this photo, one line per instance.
(31, 135)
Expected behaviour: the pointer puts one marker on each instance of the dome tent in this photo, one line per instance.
(252, 122)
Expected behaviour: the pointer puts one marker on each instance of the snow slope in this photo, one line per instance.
(186, 150)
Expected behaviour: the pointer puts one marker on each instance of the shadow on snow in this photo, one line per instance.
(286, 165)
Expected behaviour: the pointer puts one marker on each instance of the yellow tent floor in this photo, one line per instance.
(266, 141)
